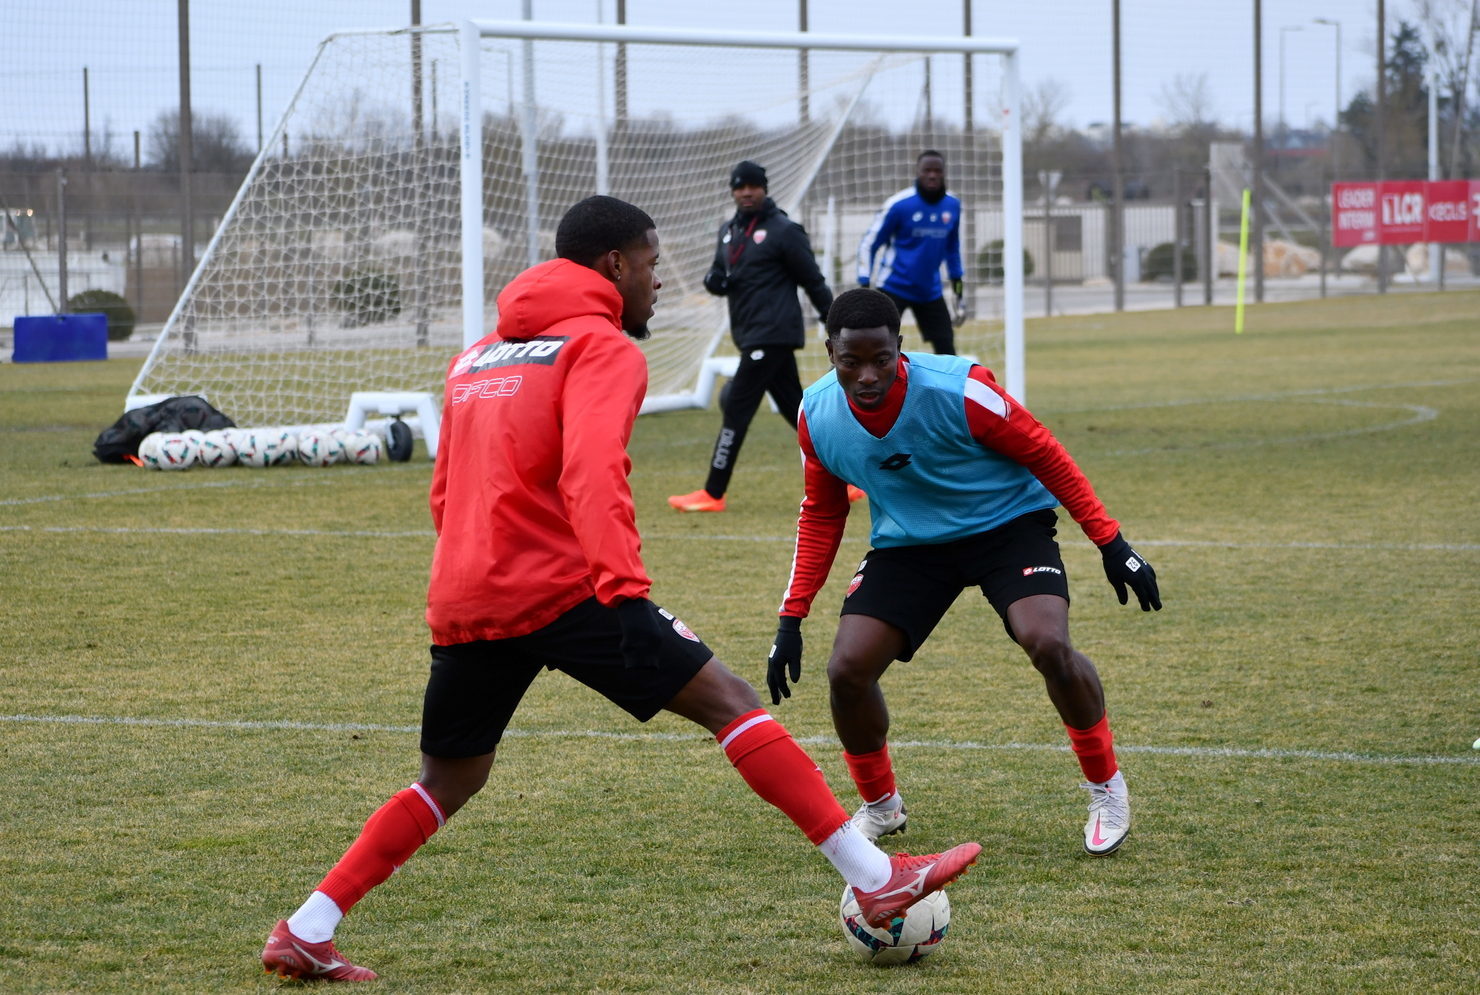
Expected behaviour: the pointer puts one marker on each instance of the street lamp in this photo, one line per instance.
(1288, 27)
(1335, 121)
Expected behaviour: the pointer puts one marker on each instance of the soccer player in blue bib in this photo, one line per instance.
(962, 484)
(918, 229)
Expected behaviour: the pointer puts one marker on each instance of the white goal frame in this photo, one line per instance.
(474, 326)
(470, 116)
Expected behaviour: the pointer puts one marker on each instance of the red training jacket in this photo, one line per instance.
(529, 496)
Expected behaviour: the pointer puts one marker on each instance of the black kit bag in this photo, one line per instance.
(121, 440)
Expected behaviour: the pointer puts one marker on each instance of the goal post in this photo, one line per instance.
(417, 170)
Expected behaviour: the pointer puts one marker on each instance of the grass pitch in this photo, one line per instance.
(209, 679)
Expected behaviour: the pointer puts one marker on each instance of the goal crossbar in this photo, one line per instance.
(356, 253)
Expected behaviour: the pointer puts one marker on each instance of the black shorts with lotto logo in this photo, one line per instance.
(910, 587)
(474, 688)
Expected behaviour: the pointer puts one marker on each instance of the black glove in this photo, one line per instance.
(641, 634)
(716, 283)
(1124, 566)
(958, 287)
(786, 654)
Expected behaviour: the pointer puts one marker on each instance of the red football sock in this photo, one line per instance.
(391, 835)
(872, 772)
(780, 771)
(1095, 748)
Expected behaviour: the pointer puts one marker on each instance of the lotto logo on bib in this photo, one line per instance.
(1030, 571)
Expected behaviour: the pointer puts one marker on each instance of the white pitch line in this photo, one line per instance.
(1400, 547)
(1212, 752)
(164, 530)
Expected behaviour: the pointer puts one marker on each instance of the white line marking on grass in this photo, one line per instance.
(1421, 413)
(127, 530)
(50, 498)
(1277, 396)
(277, 479)
(1238, 753)
(1402, 547)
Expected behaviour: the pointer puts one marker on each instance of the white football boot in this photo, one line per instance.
(1109, 816)
(881, 818)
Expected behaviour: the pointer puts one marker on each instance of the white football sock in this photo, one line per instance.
(1117, 785)
(862, 864)
(316, 919)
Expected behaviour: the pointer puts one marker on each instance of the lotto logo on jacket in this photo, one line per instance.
(541, 349)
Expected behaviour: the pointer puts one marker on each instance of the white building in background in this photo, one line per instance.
(21, 293)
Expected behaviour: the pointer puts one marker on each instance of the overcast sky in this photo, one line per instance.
(130, 48)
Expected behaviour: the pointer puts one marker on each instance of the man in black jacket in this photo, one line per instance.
(762, 258)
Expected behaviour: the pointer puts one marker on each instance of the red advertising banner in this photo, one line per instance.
(1474, 211)
(1402, 212)
(1353, 214)
(1447, 211)
(1401, 218)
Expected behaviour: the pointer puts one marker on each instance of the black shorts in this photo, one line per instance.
(910, 587)
(474, 688)
(933, 319)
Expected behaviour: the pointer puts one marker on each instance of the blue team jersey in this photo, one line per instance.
(928, 480)
(916, 236)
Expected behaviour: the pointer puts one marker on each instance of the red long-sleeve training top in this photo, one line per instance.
(530, 496)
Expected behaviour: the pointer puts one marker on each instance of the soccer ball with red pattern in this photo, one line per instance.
(362, 447)
(167, 451)
(319, 448)
(902, 941)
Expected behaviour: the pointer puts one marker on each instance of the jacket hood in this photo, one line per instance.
(552, 292)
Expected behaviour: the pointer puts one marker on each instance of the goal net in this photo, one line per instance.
(349, 260)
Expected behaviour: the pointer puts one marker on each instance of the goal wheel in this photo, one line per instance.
(399, 448)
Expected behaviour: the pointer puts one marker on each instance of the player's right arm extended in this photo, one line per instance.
(820, 526)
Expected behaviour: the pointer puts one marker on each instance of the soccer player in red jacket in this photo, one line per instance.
(962, 481)
(537, 565)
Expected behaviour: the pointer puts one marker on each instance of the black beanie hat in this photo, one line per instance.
(748, 174)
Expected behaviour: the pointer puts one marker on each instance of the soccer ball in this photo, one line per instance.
(281, 446)
(317, 448)
(362, 447)
(149, 450)
(171, 451)
(248, 447)
(266, 447)
(902, 941)
(216, 449)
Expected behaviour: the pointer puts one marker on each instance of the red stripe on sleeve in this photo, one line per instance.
(1003, 425)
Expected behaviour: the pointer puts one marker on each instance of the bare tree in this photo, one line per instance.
(1448, 28)
(1043, 104)
(219, 147)
(1187, 101)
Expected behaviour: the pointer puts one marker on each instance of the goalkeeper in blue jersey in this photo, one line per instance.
(918, 229)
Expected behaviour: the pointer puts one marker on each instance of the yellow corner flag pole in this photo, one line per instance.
(1243, 265)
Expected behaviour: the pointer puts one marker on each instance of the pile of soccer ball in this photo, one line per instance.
(258, 447)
